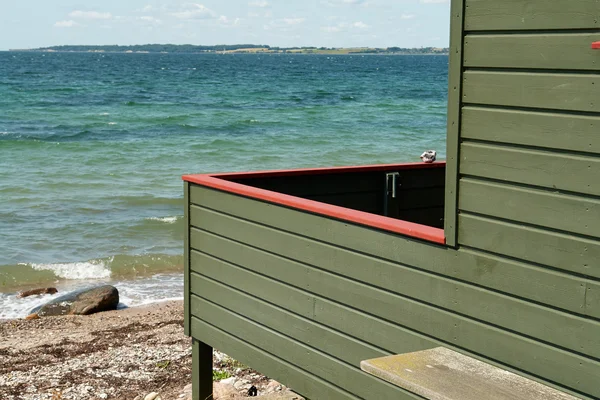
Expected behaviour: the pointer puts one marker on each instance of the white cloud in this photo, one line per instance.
(66, 24)
(332, 29)
(335, 3)
(284, 24)
(227, 22)
(150, 20)
(294, 21)
(434, 1)
(90, 15)
(259, 3)
(407, 16)
(194, 11)
(344, 26)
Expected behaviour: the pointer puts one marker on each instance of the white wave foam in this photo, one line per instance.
(167, 220)
(132, 293)
(155, 289)
(112, 123)
(13, 307)
(104, 114)
(78, 270)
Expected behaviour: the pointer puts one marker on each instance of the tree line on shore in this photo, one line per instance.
(241, 48)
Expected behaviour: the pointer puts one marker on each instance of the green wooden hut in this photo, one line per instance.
(494, 254)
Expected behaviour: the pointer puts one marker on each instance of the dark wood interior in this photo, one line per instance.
(419, 192)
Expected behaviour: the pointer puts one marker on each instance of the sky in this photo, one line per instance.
(283, 23)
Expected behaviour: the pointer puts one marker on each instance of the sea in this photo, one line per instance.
(93, 146)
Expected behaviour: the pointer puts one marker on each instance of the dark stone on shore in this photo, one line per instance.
(81, 302)
(32, 292)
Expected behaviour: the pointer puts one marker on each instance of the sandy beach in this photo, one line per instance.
(124, 354)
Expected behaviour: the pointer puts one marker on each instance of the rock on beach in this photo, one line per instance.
(33, 292)
(80, 302)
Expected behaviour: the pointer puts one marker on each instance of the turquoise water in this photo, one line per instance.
(92, 146)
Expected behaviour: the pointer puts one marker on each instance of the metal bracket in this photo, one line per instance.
(393, 178)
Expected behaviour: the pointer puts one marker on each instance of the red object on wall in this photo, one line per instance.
(596, 45)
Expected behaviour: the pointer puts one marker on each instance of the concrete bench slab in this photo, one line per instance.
(443, 374)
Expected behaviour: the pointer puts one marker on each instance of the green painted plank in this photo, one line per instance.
(455, 80)
(592, 294)
(297, 379)
(501, 274)
(328, 341)
(367, 329)
(577, 372)
(575, 92)
(570, 51)
(559, 328)
(186, 258)
(202, 370)
(370, 330)
(550, 248)
(487, 15)
(522, 279)
(538, 207)
(338, 373)
(540, 129)
(553, 170)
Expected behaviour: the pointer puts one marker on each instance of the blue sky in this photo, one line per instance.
(331, 23)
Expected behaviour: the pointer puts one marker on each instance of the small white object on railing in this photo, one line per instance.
(428, 156)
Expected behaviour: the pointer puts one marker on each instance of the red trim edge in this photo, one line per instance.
(220, 182)
(596, 45)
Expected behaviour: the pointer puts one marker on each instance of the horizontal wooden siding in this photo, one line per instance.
(530, 149)
(402, 295)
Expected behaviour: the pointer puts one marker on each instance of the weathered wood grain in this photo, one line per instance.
(336, 344)
(555, 365)
(509, 276)
(543, 168)
(487, 15)
(455, 80)
(202, 369)
(186, 258)
(302, 381)
(576, 92)
(330, 369)
(569, 51)
(514, 314)
(541, 129)
(367, 329)
(568, 213)
(557, 250)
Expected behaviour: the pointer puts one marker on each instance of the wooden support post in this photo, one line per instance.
(201, 371)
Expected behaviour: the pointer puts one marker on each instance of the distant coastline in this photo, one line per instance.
(235, 49)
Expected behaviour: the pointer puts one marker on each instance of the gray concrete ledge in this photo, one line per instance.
(443, 374)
